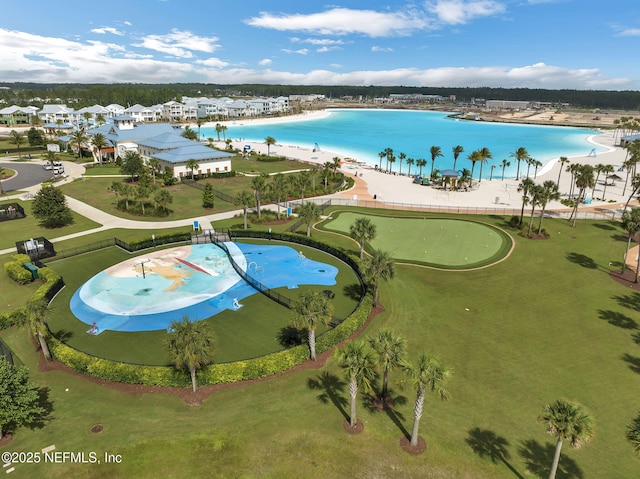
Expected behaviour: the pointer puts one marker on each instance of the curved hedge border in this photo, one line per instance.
(218, 373)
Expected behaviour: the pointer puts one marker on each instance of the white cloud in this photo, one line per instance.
(104, 30)
(381, 49)
(629, 32)
(213, 62)
(179, 43)
(343, 21)
(302, 51)
(457, 12)
(127, 23)
(265, 62)
(317, 41)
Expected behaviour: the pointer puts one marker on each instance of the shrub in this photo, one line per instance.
(21, 258)
(17, 272)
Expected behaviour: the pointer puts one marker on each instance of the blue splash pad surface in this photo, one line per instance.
(206, 286)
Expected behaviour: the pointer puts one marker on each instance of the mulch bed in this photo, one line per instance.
(203, 392)
(357, 429)
(6, 439)
(405, 443)
(627, 279)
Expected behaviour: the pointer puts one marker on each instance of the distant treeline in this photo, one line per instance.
(81, 95)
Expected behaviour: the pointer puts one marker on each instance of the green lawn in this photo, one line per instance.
(546, 323)
(441, 242)
(28, 227)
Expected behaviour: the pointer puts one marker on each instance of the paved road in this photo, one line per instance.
(30, 173)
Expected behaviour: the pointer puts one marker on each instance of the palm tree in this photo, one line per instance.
(78, 138)
(358, 363)
(162, 199)
(310, 310)
(420, 162)
(278, 189)
(391, 159)
(457, 150)
(548, 193)
(635, 187)
(269, 140)
(192, 165)
(563, 160)
(218, 130)
(189, 134)
(566, 421)
(584, 179)
(309, 212)
(520, 154)
(99, 142)
(633, 433)
(17, 139)
(154, 165)
(534, 200)
(505, 164)
(376, 267)
(598, 169)
(485, 155)
(381, 155)
(607, 169)
(259, 184)
(51, 157)
(631, 224)
(474, 157)
(390, 350)
(525, 187)
(436, 152)
(190, 346)
(493, 167)
(410, 161)
(303, 182)
(245, 200)
(401, 157)
(362, 230)
(536, 164)
(36, 311)
(428, 374)
(388, 153)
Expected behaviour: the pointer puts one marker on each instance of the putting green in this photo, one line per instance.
(439, 242)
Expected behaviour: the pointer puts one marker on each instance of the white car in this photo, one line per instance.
(47, 165)
(58, 170)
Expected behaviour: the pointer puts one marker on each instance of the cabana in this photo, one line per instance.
(449, 176)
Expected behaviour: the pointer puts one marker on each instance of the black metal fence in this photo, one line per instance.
(257, 285)
(216, 193)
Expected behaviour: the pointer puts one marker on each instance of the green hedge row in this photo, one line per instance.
(213, 374)
(150, 243)
(16, 271)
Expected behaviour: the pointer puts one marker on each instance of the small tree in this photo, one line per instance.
(633, 433)
(362, 230)
(245, 200)
(269, 140)
(358, 363)
(162, 199)
(50, 208)
(190, 345)
(376, 267)
(17, 139)
(310, 310)
(192, 165)
(190, 134)
(309, 212)
(390, 350)
(19, 398)
(36, 311)
(566, 421)
(208, 198)
(132, 165)
(429, 374)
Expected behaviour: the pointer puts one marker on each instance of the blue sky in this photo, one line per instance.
(575, 44)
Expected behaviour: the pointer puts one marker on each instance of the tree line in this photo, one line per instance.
(80, 95)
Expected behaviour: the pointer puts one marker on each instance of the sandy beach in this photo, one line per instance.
(494, 193)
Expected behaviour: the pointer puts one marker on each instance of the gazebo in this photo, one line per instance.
(450, 176)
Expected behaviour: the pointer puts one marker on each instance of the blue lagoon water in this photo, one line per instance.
(362, 134)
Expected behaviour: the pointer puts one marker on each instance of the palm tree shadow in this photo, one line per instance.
(487, 443)
(397, 417)
(332, 388)
(618, 319)
(582, 260)
(631, 301)
(353, 291)
(632, 361)
(538, 459)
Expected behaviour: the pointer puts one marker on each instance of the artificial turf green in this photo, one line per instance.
(450, 243)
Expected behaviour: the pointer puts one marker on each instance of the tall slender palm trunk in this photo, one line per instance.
(311, 337)
(556, 460)
(417, 414)
(353, 392)
(193, 379)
